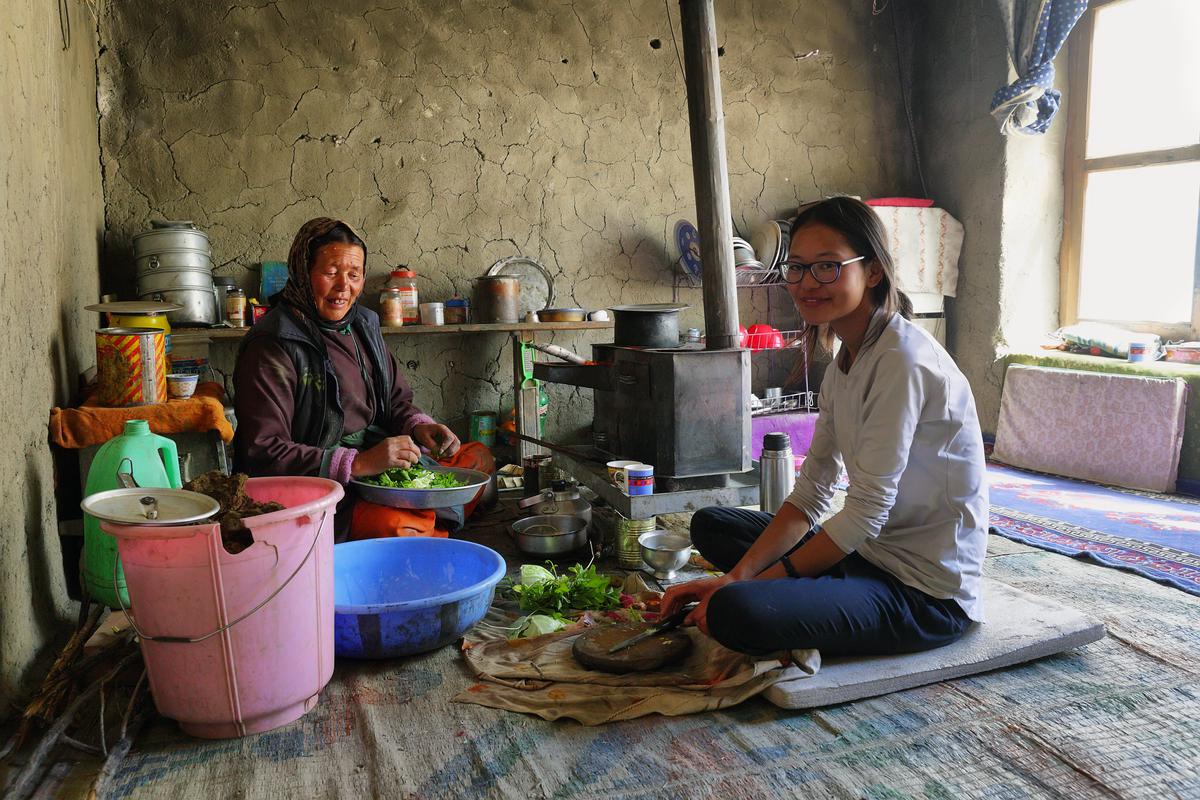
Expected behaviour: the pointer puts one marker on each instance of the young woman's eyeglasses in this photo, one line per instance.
(822, 271)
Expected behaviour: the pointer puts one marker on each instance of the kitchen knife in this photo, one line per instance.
(669, 624)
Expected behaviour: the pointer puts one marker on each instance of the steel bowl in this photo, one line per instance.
(664, 552)
(550, 534)
(426, 498)
(562, 315)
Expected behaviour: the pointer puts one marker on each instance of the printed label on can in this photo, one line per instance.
(131, 366)
(483, 428)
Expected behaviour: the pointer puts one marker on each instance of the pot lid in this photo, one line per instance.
(143, 308)
(561, 310)
(134, 506)
(652, 308)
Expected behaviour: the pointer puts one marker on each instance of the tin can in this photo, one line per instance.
(483, 428)
(1139, 351)
(629, 552)
(131, 366)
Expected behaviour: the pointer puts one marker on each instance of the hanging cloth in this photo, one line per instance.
(1036, 30)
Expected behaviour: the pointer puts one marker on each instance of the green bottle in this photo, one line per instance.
(154, 462)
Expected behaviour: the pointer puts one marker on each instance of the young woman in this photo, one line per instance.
(897, 570)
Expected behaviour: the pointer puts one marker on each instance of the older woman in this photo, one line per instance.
(319, 393)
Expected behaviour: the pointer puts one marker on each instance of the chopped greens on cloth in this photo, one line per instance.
(414, 478)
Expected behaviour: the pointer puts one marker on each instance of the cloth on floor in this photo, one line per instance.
(540, 676)
(1154, 535)
(94, 424)
(374, 521)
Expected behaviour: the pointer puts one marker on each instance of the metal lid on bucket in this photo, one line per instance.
(147, 506)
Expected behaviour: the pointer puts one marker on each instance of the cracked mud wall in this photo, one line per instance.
(51, 216)
(452, 135)
(1006, 191)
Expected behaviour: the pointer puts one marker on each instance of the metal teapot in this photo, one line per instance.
(560, 498)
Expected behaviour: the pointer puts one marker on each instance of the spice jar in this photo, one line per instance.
(458, 311)
(391, 307)
(235, 306)
(405, 280)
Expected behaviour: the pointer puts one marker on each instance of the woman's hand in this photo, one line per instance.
(439, 440)
(700, 590)
(394, 451)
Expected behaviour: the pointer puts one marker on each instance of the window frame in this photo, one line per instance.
(1077, 169)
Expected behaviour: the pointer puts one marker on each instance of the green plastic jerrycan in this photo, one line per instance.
(154, 463)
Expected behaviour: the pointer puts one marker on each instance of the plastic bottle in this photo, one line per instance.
(405, 280)
(777, 471)
(154, 462)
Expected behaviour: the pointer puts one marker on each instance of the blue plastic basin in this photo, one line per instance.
(396, 597)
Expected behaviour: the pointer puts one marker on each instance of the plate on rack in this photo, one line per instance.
(687, 240)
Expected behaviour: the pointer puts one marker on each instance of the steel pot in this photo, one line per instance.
(167, 235)
(550, 535)
(562, 315)
(197, 260)
(559, 500)
(497, 298)
(196, 306)
(652, 325)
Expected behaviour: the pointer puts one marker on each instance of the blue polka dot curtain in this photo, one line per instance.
(1036, 31)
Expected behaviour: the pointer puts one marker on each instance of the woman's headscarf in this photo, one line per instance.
(297, 292)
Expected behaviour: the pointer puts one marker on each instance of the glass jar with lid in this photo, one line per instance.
(391, 307)
(405, 280)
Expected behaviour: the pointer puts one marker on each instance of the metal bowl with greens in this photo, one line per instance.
(421, 486)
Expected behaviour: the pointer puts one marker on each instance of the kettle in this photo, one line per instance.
(560, 498)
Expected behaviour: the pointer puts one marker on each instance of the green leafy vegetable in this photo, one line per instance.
(578, 589)
(414, 477)
(536, 625)
(532, 573)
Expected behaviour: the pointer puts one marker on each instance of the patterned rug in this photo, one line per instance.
(1154, 535)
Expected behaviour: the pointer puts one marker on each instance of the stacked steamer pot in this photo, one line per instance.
(174, 265)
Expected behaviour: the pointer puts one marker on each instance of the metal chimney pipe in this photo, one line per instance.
(710, 170)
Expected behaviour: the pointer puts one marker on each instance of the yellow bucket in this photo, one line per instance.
(158, 321)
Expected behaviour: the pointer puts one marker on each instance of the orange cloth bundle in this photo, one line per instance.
(93, 424)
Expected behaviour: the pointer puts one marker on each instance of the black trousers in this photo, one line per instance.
(852, 609)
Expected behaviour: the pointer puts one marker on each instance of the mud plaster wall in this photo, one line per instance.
(51, 216)
(455, 134)
(1007, 192)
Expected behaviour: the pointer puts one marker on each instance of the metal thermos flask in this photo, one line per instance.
(777, 471)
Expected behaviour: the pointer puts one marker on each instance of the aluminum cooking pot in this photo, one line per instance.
(171, 236)
(550, 535)
(651, 325)
(559, 499)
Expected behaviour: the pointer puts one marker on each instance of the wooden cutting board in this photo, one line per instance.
(591, 648)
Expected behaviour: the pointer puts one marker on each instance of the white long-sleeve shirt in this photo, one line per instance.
(903, 422)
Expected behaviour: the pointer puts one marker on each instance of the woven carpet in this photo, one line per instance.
(1154, 535)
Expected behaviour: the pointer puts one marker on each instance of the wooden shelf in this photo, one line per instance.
(185, 335)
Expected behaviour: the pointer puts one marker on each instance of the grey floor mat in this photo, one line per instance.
(1020, 627)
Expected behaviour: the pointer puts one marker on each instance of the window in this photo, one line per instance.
(1131, 241)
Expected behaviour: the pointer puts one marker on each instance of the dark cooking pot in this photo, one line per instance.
(649, 325)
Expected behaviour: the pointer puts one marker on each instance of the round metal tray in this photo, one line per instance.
(425, 498)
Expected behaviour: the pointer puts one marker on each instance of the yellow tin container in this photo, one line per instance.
(629, 553)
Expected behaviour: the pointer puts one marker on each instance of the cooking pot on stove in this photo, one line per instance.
(653, 325)
(560, 498)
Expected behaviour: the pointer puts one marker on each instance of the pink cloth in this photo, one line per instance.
(1122, 430)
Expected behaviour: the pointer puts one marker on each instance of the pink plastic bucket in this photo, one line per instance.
(237, 643)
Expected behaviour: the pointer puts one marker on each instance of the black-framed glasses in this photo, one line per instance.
(822, 271)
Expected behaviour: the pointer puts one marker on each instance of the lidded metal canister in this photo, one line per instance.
(777, 471)
(497, 298)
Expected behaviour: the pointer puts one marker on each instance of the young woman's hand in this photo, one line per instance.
(439, 440)
(701, 591)
(394, 451)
